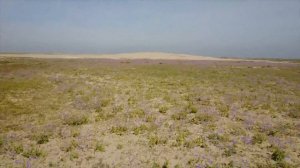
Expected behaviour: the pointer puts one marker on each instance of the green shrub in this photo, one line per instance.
(278, 155)
(100, 147)
(18, 148)
(258, 138)
(41, 139)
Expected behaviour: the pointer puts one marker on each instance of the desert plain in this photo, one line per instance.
(148, 110)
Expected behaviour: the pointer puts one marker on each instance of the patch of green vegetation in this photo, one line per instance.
(1, 142)
(100, 147)
(202, 117)
(105, 102)
(258, 138)
(278, 155)
(191, 108)
(137, 113)
(179, 116)
(181, 137)
(216, 138)
(74, 155)
(102, 116)
(119, 130)
(140, 129)
(223, 109)
(75, 118)
(41, 139)
(230, 151)
(163, 109)
(150, 118)
(70, 146)
(197, 142)
(156, 140)
(33, 153)
(18, 148)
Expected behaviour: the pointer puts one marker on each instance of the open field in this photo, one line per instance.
(148, 113)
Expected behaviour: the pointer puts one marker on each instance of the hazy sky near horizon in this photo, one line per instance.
(242, 28)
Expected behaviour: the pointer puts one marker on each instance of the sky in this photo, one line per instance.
(231, 28)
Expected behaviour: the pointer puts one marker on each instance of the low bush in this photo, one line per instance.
(278, 155)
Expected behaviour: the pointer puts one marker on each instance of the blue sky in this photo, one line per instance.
(241, 28)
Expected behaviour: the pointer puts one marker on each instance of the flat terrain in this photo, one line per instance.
(161, 112)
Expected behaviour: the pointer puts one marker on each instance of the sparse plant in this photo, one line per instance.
(119, 146)
(179, 116)
(74, 155)
(32, 152)
(119, 130)
(41, 139)
(163, 109)
(258, 138)
(166, 164)
(100, 147)
(215, 138)
(191, 108)
(202, 117)
(181, 137)
(70, 146)
(102, 116)
(200, 142)
(155, 140)
(18, 148)
(140, 129)
(1, 142)
(150, 118)
(223, 109)
(229, 151)
(75, 118)
(137, 113)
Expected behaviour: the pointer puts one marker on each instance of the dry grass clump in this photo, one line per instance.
(74, 118)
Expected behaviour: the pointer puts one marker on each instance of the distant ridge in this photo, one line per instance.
(137, 55)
